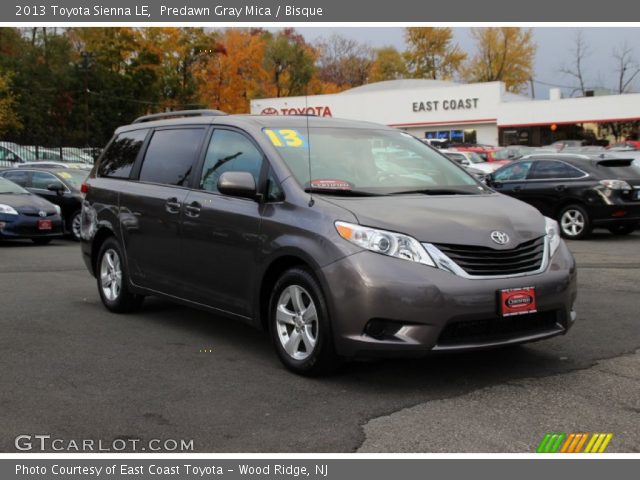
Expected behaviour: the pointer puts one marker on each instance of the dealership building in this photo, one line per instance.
(482, 113)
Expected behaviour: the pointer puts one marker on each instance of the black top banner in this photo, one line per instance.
(290, 11)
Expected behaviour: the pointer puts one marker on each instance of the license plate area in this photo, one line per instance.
(517, 301)
(45, 225)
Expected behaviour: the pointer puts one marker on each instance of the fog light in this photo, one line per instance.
(382, 329)
(2, 225)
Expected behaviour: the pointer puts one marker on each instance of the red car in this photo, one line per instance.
(485, 151)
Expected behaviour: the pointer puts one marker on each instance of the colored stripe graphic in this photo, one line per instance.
(573, 442)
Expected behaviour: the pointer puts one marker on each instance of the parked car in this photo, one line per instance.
(471, 160)
(12, 154)
(57, 185)
(485, 151)
(582, 192)
(24, 215)
(513, 152)
(296, 225)
(53, 164)
(626, 145)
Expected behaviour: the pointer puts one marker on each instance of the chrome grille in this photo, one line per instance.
(484, 261)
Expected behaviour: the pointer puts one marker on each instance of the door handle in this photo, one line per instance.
(561, 188)
(172, 205)
(517, 189)
(193, 209)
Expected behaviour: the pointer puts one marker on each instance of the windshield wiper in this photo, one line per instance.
(342, 192)
(434, 191)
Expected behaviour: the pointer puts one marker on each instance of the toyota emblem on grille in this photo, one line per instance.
(42, 213)
(499, 237)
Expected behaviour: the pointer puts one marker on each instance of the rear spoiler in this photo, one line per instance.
(615, 162)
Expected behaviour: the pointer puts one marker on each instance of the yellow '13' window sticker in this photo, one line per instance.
(286, 138)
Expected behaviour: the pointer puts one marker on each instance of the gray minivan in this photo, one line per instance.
(342, 239)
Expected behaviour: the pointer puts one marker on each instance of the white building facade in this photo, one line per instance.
(483, 113)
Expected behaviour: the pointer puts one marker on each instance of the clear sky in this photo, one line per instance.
(555, 45)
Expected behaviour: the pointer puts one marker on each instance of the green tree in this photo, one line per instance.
(388, 64)
(289, 61)
(8, 117)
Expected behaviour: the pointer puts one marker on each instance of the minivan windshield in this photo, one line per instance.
(348, 161)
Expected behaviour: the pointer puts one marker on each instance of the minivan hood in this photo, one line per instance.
(450, 219)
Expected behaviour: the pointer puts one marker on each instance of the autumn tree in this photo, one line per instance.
(230, 80)
(503, 54)
(344, 62)
(432, 54)
(8, 116)
(289, 60)
(388, 64)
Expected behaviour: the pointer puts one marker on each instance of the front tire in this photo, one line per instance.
(299, 324)
(113, 279)
(575, 223)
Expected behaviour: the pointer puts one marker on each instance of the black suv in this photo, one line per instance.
(581, 191)
(340, 238)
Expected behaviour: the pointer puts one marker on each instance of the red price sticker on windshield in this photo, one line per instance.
(331, 184)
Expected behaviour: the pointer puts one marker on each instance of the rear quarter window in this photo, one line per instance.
(118, 160)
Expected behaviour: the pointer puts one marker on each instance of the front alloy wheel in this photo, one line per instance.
(111, 275)
(76, 225)
(299, 323)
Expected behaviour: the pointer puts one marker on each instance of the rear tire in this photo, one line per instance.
(41, 241)
(75, 224)
(575, 223)
(113, 279)
(299, 324)
(624, 228)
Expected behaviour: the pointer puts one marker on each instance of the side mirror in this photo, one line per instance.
(238, 184)
(56, 187)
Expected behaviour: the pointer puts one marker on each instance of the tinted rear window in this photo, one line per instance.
(623, 168)
(171, 156)
(121, 154)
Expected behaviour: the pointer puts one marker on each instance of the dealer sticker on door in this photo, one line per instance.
(517, 301)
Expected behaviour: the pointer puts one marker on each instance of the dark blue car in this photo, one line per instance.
(24, 215)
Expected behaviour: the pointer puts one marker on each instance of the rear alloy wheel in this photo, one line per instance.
(574, 222)
(75, 225)
(113, 284)
(624, 228)
(299, 324)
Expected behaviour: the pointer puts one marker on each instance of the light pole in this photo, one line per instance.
(86, 59)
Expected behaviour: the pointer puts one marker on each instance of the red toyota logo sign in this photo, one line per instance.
(269, 111)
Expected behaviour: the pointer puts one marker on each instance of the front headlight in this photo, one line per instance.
(387, 243)
(553, 235)
(58, 211)
(7, 209)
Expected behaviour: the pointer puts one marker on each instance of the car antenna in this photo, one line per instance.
(306, 114)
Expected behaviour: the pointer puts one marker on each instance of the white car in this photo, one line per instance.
(472, 161)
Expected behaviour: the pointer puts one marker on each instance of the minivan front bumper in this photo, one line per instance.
(386, 306)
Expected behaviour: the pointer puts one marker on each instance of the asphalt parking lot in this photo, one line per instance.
(75, 371)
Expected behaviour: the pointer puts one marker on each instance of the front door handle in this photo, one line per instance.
(172, 205)
(193, 209)
(517, 189)
(561, 188)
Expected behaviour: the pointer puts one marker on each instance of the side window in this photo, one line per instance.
(171, 156)
(21, 178)
(42, 180)
(119, 158)
(274, 191)
(549, 169)
(513, 173)
(229, 151)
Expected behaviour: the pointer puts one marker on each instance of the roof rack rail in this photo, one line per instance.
(177, 114)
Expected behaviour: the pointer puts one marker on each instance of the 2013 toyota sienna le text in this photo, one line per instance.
(342, 239)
